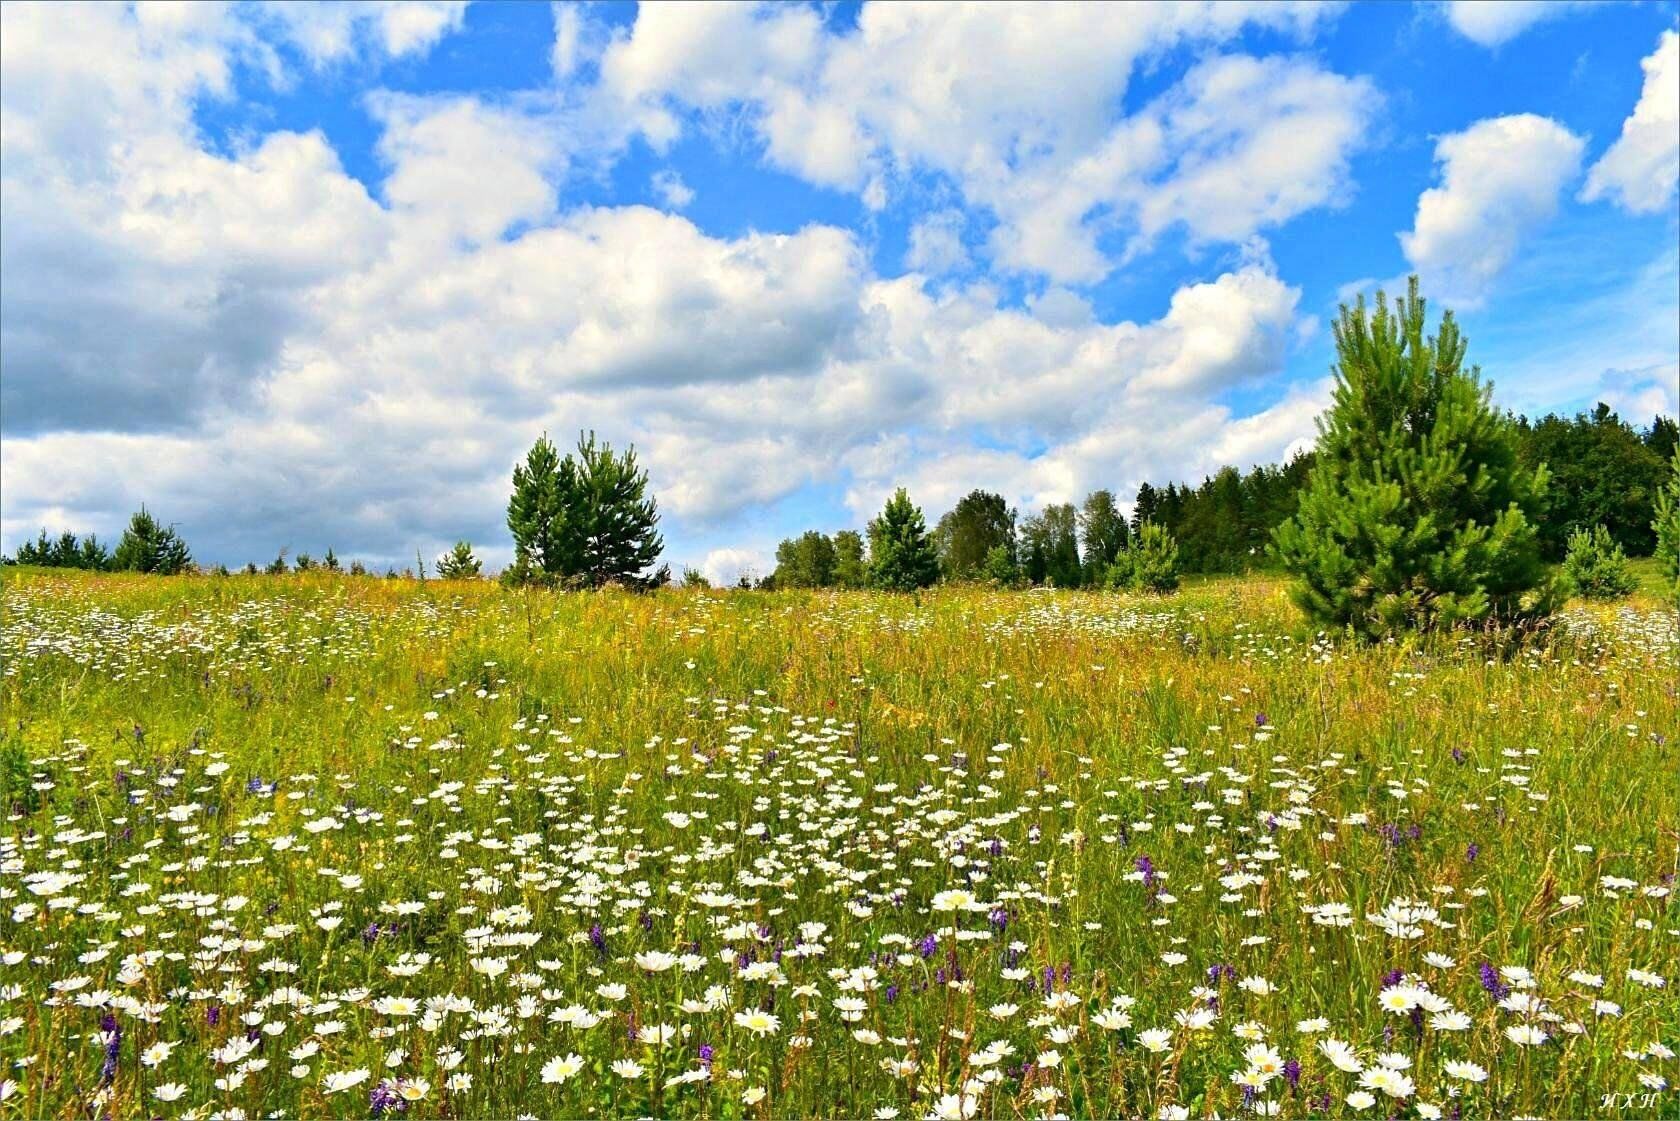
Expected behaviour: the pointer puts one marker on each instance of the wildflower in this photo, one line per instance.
(628, 1068)
(559, 1069)
(757, 1022)
(340, 1081)
(1465, 1071)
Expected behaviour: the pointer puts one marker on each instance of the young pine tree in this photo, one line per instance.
(1417, 514)
(1667, 526)
(1148, 564)
(902, 557)
(1596, 567)
(459, 563)
(149, 546)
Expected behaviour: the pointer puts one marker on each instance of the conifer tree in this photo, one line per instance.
(149, 546)
(1667, 525)
(459, 563)
(1417, 514)
(902, 557)
(587, 519)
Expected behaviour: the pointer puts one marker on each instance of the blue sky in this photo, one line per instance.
(313, 275)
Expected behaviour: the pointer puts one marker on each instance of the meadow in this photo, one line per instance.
(316, 846)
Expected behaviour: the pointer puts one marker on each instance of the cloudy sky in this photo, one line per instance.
(316, 275)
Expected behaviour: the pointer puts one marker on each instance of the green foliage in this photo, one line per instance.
(850, 570)
(277, 566)
(587, 519)
(902, 557)
(1417, 514)
(1600, 472)
(1666, 525)
(694, 578)
(1000, 567)
(330, 561)
(1224, 524)
(1050, 547)
(65, 551)
(1148, 564)
(148, 546)
(806, 561)
(1103, 533)
(980, 522)
(1596, 567)
(544, 490)
(459, 563)
(303, 562)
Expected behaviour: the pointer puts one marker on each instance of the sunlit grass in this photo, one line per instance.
(327, 846)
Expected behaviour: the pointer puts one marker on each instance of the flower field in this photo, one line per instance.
(316, 846)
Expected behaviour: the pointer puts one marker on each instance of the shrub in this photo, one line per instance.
(1595, 565)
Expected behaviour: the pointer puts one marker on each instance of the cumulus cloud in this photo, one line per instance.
(1500, 179)
(1641, 169)
(1033, 134)
(1492, 23)
(329, 31)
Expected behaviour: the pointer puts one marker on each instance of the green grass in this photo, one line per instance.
(1141, 797)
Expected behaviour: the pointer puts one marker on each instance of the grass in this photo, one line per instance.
(322, 846)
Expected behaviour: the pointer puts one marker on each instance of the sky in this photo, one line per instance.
(317, 275)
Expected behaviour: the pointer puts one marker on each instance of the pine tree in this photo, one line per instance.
(1148, 564)
(901, 554)
(613, 519)
(148, 546)
(1417, 514)
(543, 488)
(1667, 525)
(1596, 567)
(586, 519)
(459, 563)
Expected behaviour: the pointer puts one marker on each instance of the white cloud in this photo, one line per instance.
(1031, 134)
(936, 243)
(1500, 179)
(723, 567)
(330, 31)
(669, 186)
(1642, 167)
(464, 169)
(1492, 23)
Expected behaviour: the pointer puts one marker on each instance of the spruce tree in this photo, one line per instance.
(1417, 514)
(901, 554)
